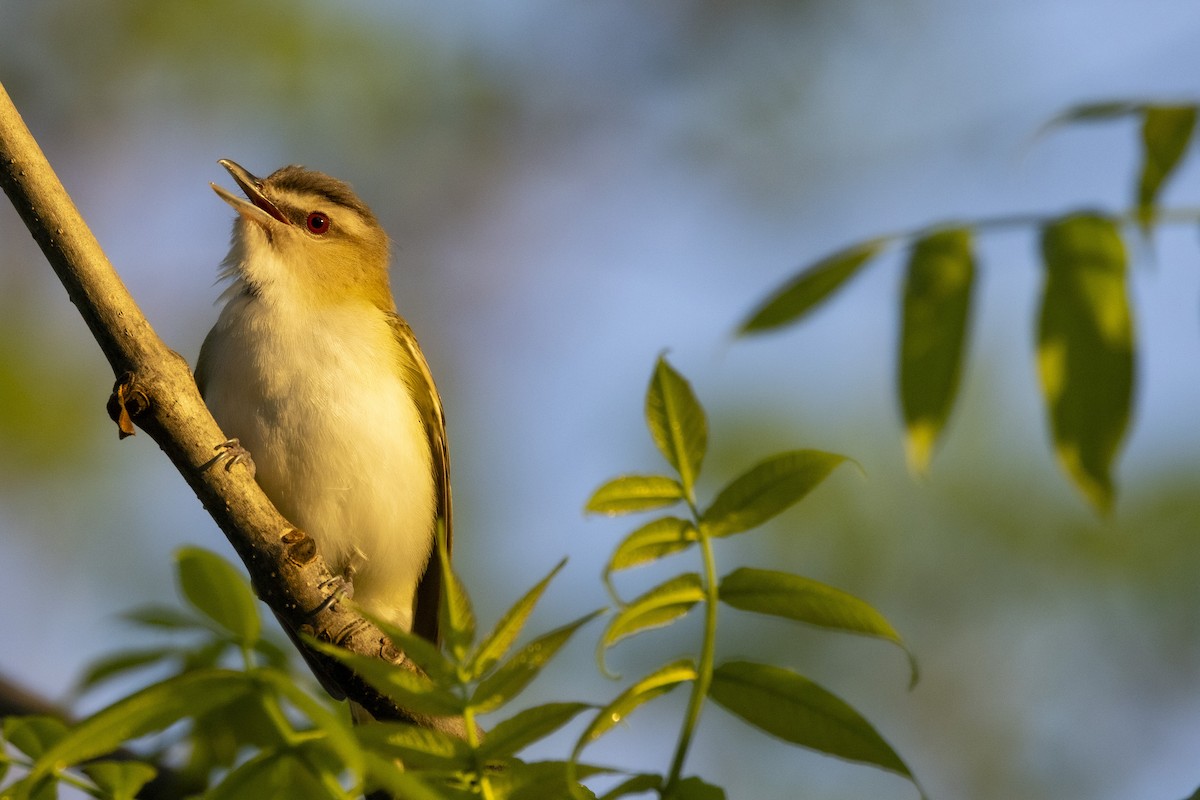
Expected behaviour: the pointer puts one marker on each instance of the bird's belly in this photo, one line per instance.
(339, 448)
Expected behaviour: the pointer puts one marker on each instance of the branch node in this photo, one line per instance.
(127, 401)
(300, 548)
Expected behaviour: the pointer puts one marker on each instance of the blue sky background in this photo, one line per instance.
(573, 188)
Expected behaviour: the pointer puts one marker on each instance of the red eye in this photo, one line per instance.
(318, 223)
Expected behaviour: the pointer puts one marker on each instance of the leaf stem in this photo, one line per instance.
(704, 670)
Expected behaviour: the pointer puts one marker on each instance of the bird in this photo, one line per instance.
(321, 385)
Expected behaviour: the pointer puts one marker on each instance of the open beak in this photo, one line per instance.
(256, 207)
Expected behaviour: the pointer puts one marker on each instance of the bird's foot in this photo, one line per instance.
(231, 452)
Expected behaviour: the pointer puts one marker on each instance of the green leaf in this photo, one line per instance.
(516, 673)
(767, 489)
(120, 780)
(496, 645)
(937, 305)
(404, 686)
(419, 650)
(152, 709)
(629, 493)
(695, 789)
(659, 606)
(676, 421)
(1166, 132)
(274, 773)
(387, 776)
(336, 733)
(164, 617)
(1095, 112)
(217, 590)
(121, 662)
(415, 746)
(652, 541)
(799, 711)
(457, 618)
(538, 780)
(509, 737)
(782, 594)
(1086, 349)
(638, 784)
(33, 736)
(811, 287)
(657, 683)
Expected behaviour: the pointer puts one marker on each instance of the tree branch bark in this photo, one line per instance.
(155, 389)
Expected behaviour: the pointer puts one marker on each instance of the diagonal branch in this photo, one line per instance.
(155, 390)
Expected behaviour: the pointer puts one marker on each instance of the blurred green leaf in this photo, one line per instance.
(457, 620)
(417, 747)
(515, 674)
(657, 683)
(216, 589)
(659, 606)
(121, 662)
(165, 617)
(794, 597)
(937, 306)
(638, 784)
(799, 711)
(120, 780)
(407, 688)
(811, 287)
(539, 780)
(676, 421)
(509, 737)
(652, 541)
(152, 709)
(1095, 112)
(336, 733)
(275, 773)
(767, 489)
(629, 493)
(1086, 349)
(498, 642)
(33, 736)
(695, 789)
(384, 774)
(1166, 133)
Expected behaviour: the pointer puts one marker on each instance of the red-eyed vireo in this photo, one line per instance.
(312, 370)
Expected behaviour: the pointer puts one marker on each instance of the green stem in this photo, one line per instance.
(485, 785)
(704, 669)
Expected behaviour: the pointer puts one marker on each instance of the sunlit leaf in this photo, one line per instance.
(120, 780)
(1166, 133)
(659, 606)
(417, 747)
(497, 643)
(677, 423)
(794, 597)
(937, 305)
(457, 619)
(811, 287)
(152, 709)
(336, 730)
(216, 589)
(767, 489)
(657, 683)
(799, 711)
(1086, 349)
(511, 677)
(385, 775)
(509, 737)
(629, 493)
(407, 688)
(419, 650)
(652, 541)
(540, 780)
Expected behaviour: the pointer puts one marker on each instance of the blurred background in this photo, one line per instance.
(573, 188)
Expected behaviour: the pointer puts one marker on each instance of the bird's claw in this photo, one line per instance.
(231, 452)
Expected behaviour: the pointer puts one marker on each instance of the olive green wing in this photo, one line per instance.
(429, 405)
